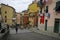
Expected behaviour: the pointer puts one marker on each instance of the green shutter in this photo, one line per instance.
(56, 26)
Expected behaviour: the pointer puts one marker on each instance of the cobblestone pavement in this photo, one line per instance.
(28, 35)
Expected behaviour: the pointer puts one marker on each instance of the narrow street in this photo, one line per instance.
(29, 19)
(28, 35)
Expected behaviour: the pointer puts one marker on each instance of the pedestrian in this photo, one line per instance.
(0, 25)
(7, 27)
(0, 21)
(16, 28)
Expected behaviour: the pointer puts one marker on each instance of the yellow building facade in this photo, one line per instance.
(33, 13)
(7, 13)
(33, 7)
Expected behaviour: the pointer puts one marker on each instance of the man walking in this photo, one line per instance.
(16, 28)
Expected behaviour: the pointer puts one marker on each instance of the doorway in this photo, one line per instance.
(56, 25)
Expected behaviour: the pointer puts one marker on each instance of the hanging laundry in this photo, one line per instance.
(42, 19)
(48, 15)
(45, 1)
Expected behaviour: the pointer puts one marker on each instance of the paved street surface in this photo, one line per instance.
(13, 31)
(28, 35)
(52, 34)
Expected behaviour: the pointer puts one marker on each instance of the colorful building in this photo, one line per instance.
(18, 18)
(33, 12)
(8, 13)
(25, 19)
(53, 24)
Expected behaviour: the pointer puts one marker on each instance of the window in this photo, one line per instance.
(5, 16)
(5, 12)
(5, 20)
(57, 8)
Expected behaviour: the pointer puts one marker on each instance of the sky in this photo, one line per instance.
(19, 5)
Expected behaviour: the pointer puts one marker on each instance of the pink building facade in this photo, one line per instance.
(51, 22)
(18, 18)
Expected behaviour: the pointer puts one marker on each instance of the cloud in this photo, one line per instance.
(19, 5)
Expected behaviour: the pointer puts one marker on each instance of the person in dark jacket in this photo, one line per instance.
(16, 28)
(0, 25)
